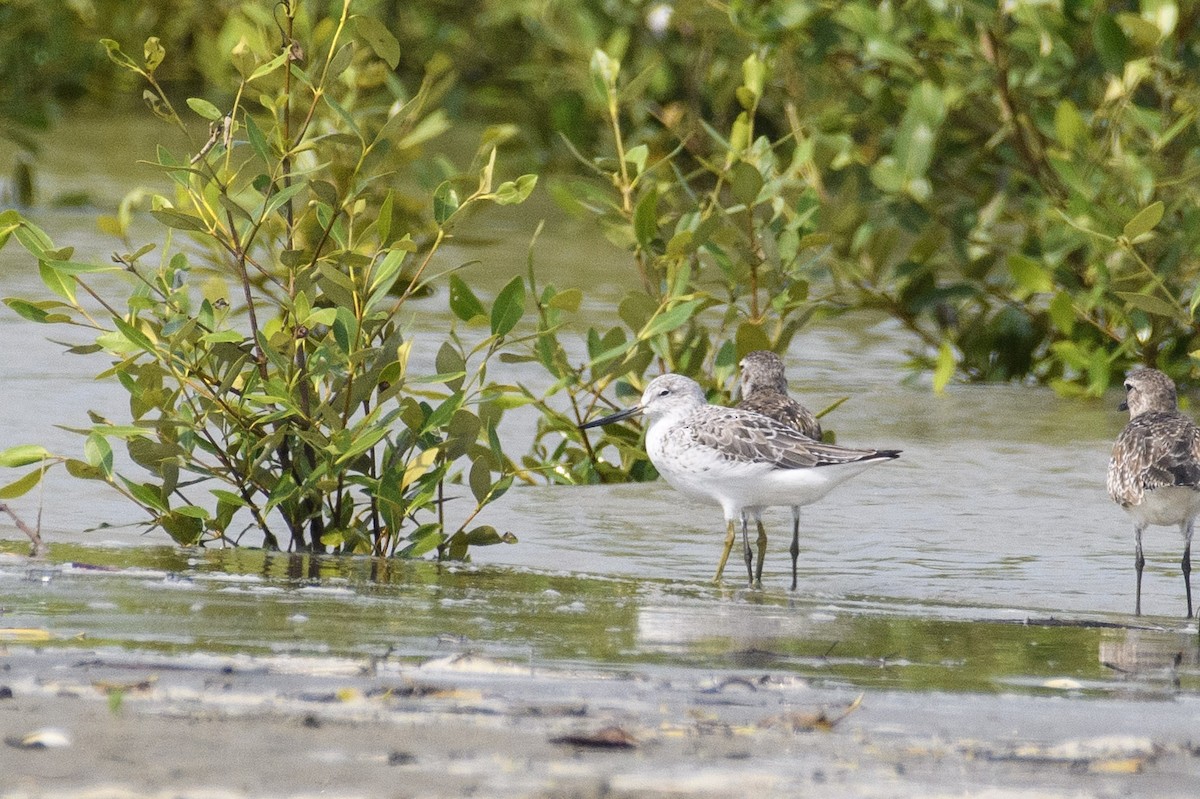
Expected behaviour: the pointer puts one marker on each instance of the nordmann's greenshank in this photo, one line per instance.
(735, 458)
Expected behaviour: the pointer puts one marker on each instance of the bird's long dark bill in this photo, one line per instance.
(616, 417)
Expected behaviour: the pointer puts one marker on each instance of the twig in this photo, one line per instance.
(39, 550)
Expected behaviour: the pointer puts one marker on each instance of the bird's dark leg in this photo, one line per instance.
(762, 553)
(747, 551)
(1187, 565)
(1138, 562)
(795, 550)
(729, 539)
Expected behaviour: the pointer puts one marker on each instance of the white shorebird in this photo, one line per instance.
(1154, 473)
(735, 458)
(763, 387)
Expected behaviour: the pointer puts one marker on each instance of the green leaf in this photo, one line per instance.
(637, 156)
(179, 220)
(184, 530)
(509, 307)
(379, 38)
(270, 66)
(1144, 220)
(1069, 126)
(204, 108)
(445, 202)
(282, 196)
(149, 496)
(154, 53)
(1030, 275)
(1062, 312)
(83, 471)
(944, 368)
(746, 182)
(115, 54)
(223, 336)
(480, 479)
(604, 72)
(670, 320)
(27, 310)
(515, 192)
(23, 455)
(383, 223)
(751, 337)
(1112, 46)
(1150, 304)
(567, 300)
(134, 336)
(645, 218)
(486, 535)
(463, 302)
(22, 485)
(98, 454)
(257, 140)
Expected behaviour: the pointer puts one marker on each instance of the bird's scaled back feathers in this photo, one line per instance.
(1160, 447)
(763, 388)
(739, 435)
(1155, 450)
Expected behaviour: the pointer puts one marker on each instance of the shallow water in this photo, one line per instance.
(920, 574)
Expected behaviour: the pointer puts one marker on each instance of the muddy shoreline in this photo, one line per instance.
(149, 725)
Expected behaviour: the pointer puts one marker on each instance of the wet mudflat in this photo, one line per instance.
(249, 674)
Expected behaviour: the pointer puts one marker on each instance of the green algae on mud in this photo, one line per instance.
(166, 600)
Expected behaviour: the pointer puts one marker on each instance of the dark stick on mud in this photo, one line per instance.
(39, 548)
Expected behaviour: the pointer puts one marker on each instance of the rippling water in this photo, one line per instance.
(918, 573)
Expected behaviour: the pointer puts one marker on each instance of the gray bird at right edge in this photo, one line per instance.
(1154, 472)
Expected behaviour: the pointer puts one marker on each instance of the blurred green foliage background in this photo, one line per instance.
(1013, 181)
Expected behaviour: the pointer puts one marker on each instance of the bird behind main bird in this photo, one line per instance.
(763, 388)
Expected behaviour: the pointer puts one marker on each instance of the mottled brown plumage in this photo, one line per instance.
(764, 390)
(1154, 472)
(763, 387)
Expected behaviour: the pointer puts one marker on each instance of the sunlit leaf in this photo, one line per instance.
(670, 320)
(1144, 220)
(23, 455)
(204, 108)
(944, 367)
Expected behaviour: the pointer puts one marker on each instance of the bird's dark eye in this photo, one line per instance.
(664, 392)
(1128, 387)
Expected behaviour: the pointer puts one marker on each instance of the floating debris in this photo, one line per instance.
(1103, 755)
(45, 738)
(611, 737)
(806, 721)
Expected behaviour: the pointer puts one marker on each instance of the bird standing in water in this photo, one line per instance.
(735, 458)
(763, 388)
(1154, 472)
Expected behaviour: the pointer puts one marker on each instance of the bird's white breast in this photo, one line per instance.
(1167, 505)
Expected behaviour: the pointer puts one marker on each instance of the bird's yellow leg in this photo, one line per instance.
(762, 552)
(729, 539)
